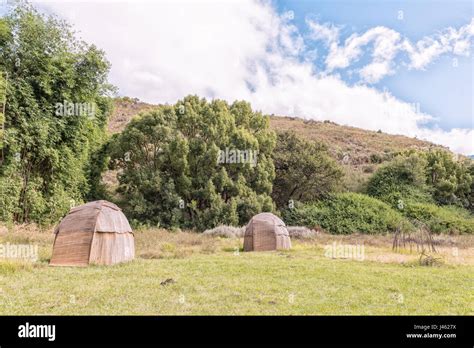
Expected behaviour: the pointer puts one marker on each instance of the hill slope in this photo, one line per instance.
(359, 151)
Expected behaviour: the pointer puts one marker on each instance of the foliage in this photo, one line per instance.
(170, 175)
(449, 177)
(304, 170)
(445, 219)
(3, 87)
(433, 176)
(45, 163)
(415, 182)
(471, 194)
(346, 213)
(401, 180)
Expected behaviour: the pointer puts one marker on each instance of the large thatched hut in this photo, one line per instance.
(97, 232)
(266, 231)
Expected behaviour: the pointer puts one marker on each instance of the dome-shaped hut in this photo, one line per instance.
(97, 232)
(266, 231)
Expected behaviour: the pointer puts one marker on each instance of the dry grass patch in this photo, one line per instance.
(160, 243)
(450, 250)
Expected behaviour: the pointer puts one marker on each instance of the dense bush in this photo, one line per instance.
(346, 213)
(415, 182)
(445, 219)
(449, 178)
(45, 161)
(433, 176)
(170, 169)
(401, 180)
(304, 170)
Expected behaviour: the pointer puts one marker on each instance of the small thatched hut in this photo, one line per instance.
(266, 231)
(97, 232)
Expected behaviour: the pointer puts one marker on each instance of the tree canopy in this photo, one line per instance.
(45, 161)
(424, 176)
(196, 164)
(305, 171)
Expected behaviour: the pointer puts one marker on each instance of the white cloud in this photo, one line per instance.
(457, 42)
(326, 32)
(387, 44)
(375, 71)
(164, 50)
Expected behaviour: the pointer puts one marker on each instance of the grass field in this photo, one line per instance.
(187, 273)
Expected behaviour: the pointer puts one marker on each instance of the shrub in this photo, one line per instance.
(376, 158)
(226, 231)
(301, 232)
(404, 179)
(347, 213)
(428, 177)
(446, 219)
(449, 178)
(368, 169)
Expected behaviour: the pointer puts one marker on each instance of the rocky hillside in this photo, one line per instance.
(359, 151)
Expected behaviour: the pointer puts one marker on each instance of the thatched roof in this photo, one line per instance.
(98, 216)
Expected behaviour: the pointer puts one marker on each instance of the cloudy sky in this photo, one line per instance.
(405, 67)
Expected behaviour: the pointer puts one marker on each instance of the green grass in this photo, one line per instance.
(298, 282)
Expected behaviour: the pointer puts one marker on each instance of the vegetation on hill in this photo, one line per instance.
(359, 152)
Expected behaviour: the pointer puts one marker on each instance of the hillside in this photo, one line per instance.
(358, 150)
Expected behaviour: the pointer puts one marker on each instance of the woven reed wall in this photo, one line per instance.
(110, 248)
(71, 249)
(264, 232)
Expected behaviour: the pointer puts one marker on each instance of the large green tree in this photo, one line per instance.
(45, 162)
(170, 173)
(304, 170)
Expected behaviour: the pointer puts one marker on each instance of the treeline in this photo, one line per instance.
(195, 164)
(431, 189)
(46, 156)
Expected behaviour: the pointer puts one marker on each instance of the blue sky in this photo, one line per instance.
(442, 90)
